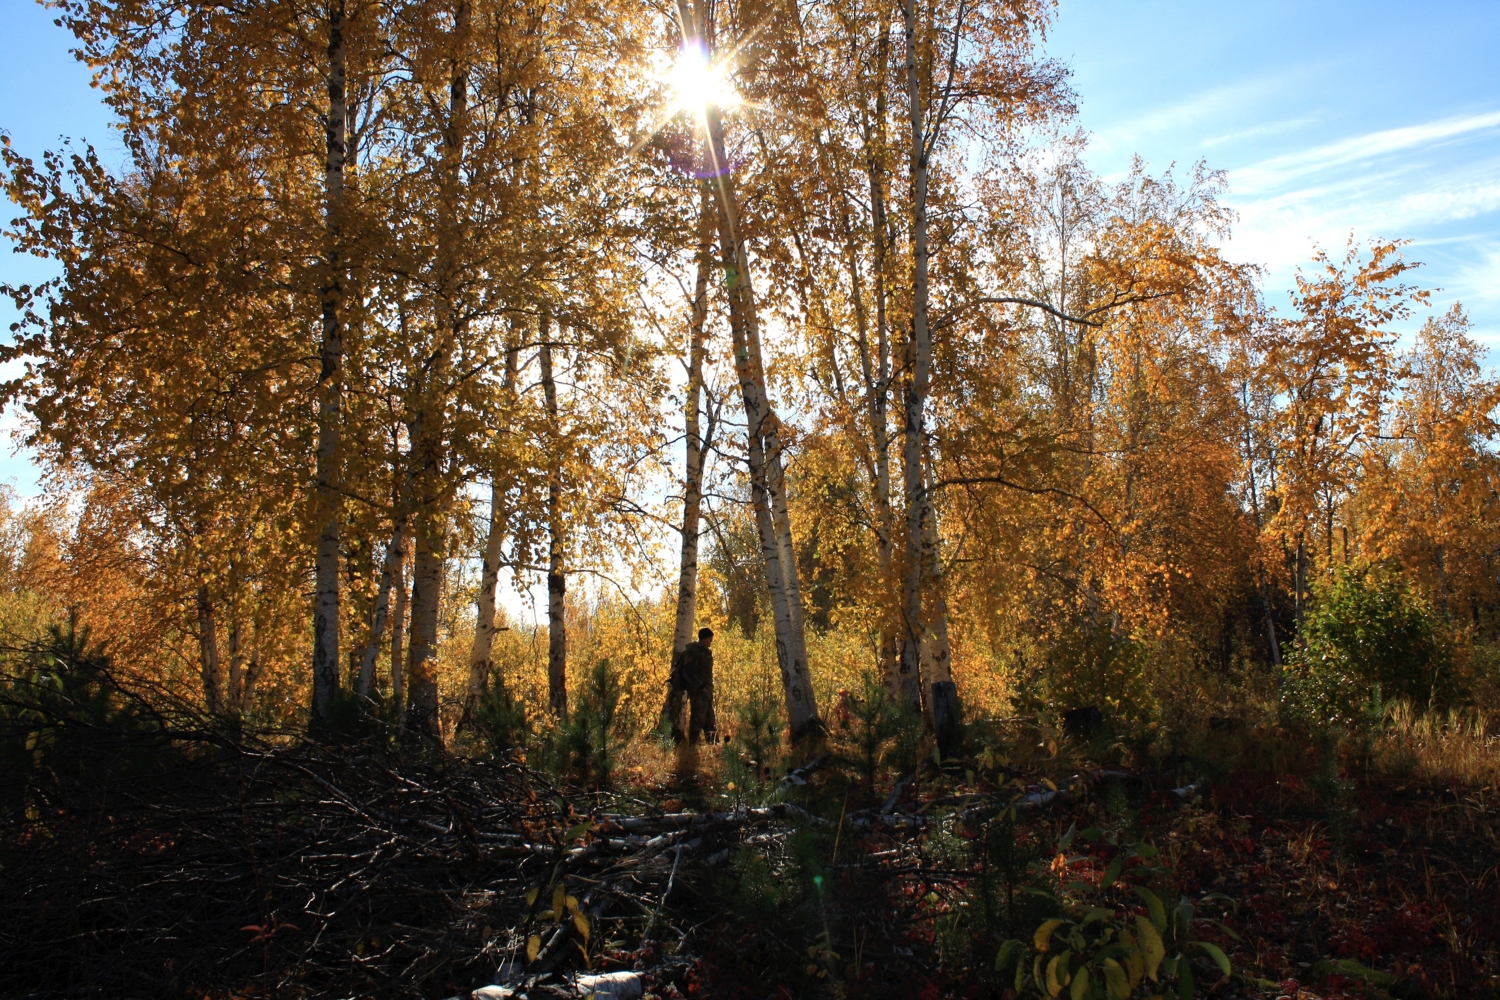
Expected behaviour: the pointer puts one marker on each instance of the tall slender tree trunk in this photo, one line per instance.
(763, 447)
(1265, 589)
(428, 431)
(236, 662)
(426, 598)
(763, 435)
(398, 633)
(208, 648)
(327, 497)
(557, 581)
(926, 649)
(253, 669)
(390, 567)
(481, 660)
(1299, 579)
(901, 683)
(236, 644)
(692, 495)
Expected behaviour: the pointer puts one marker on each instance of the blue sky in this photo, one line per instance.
(1377, 118)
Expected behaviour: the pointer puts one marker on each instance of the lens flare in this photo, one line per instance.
(697, 82)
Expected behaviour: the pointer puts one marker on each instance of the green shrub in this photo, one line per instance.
(1366, 628)
(1100, 666)
(874, 723)
(582, 746)
(65, 722)
(500, 717)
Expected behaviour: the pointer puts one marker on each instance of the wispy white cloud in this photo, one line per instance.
(1391, 183)
(1276, 172)
(1208, 105)
(1478, 282)
(1263, 131)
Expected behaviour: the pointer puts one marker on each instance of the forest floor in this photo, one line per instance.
(1377, 886)
(197, 865)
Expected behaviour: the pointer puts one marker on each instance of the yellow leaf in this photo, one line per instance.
(1151, 945)
(582, 923)
(559, 899)
(1080, 984)
(533, 945)
(531, 897)
(1053, 986)
(572, 903)
(1116, 984)
(1043, 937)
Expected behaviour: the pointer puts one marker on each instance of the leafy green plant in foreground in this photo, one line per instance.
(1104, 952)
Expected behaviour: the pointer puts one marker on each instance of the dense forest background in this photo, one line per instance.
(398, 304)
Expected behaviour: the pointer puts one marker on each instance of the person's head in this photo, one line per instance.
(706, 636)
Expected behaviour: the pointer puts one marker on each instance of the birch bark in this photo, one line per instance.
(208, 648)
(557, 583)
(481, 662)
(428, 429)
(926, 651)
(390, 567)
(398, 633)
(763, 432)
(692, 495)
(327, 500)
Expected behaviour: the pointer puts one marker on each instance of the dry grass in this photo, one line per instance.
(1454, 747)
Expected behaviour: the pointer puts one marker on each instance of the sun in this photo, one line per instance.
(698, 83)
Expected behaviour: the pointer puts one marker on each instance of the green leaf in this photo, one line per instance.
(1116, 982)
(1153, 906)
(1067, 838)
(1092, 834)
(1152, 948)
(1353, 970)
(1112, 873)
(1043, 936)
(579, 830)
(1008, 952)
(1220, 925)
(1182, 919)
(1080, 984)
(1185, 979)
(1217, 954)
(1147, 851)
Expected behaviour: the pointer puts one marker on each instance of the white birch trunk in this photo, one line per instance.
(481, 660)
(327, 499)
(692, 496)
(428, 429)
(557, 582)
(767, 483)
(398, 634)
(390, 567)
(208, 650)
(926, 650)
